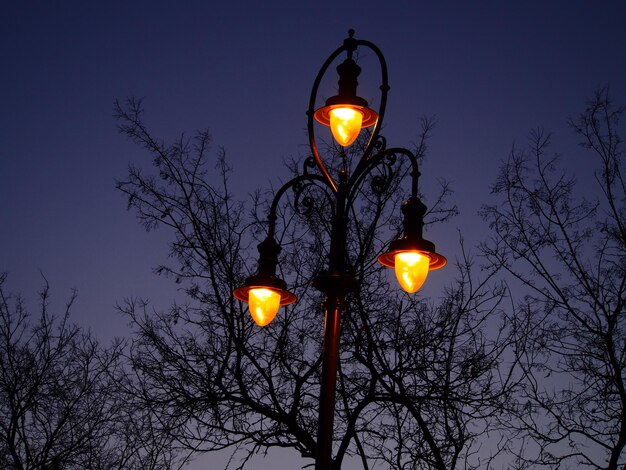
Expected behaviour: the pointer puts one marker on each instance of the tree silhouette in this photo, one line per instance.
(418, 382)
(62, 398)
(567, 250)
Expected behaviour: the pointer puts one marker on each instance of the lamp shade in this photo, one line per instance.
(346, 120)
(411, 256)
(346, 113)
(264, 296)
(265, 292)
(412, 264)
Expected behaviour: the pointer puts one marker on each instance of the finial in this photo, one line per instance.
(350, 43)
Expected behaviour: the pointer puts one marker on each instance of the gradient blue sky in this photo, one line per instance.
(490, 71)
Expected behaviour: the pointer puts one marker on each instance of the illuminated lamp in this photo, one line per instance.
(411, 256)
(265, 292)
(346, 113)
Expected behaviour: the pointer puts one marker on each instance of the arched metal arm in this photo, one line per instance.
(311, 121)
(349, 45)
(271, 218)
(384, 89)
(357, 178)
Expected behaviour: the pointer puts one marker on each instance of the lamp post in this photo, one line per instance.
(410, 255)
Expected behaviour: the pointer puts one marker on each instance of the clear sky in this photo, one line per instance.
(490, 71)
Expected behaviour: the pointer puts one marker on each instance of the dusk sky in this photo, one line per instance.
(489, 71)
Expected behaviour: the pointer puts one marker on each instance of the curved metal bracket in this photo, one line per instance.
(294, 182)
(386, 156)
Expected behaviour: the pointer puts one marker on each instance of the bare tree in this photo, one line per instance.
(418, 383)
(566, 246)
(61, 401)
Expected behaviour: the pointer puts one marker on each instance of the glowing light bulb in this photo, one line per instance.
(345, 124)
(263, 305)
(411, 270)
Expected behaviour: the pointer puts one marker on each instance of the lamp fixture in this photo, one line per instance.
(346, 113)
(411, 255)
(265, 292)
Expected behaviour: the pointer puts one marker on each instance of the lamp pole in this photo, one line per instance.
(410, 254)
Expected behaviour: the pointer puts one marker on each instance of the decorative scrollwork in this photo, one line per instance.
(308, 165)
(309, 196)
(381, 182)
(379, 145)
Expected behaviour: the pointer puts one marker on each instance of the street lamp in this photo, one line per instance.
(410, 255)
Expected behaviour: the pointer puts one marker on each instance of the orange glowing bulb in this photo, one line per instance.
(263, 304)
(411, 270)
(345, 124)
